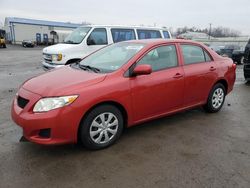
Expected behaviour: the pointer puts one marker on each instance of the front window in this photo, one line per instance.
(77, 35)
(98, 37)
(160, 58)
(111, 57)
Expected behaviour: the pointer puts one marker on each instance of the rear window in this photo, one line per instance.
(148, 34)
(194, 54)
(122, 34)
(166, 34)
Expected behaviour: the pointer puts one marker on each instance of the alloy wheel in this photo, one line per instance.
(103, 128)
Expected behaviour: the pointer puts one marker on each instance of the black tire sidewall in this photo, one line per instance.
(209, 106)
(85, 126)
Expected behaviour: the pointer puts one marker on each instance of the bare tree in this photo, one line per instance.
(215, 31)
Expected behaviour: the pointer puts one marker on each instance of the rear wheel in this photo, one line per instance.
(101, 127)
(216, 98)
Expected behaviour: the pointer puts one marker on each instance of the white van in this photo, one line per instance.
(87, 39)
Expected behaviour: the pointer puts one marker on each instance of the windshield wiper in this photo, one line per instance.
(87, 67)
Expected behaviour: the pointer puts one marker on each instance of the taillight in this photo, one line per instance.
(234, 66)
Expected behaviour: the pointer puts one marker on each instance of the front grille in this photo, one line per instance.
(47, 58)
(48, 61)
(22, 102)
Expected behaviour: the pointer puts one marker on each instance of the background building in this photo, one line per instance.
(41, 31)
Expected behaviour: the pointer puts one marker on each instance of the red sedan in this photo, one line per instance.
(119, 86)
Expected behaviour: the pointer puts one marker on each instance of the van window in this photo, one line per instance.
(122, 34)
(166, 34)
(161, 58)
(77, 35)
(148, 34)
(194, 54)
(98, 37)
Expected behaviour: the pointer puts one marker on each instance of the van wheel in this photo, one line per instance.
(216, 98)
(101, 127)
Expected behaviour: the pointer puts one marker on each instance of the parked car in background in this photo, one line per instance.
(119, 86)
(2, 39)
(246, 67)
(234, 52)
(217, 48)
(28, 43)
(85, 40)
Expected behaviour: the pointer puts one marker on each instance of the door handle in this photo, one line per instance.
(178, 75)
(212, 69)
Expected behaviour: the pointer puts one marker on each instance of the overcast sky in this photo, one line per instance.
(234, 14)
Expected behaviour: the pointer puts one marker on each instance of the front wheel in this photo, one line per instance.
(216, 98)
(101, 127)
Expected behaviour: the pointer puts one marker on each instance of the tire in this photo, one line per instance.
(242, 60)
(4, 46)
(95, 134)
(216, 98)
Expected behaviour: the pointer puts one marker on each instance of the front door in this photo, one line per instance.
(162, 90)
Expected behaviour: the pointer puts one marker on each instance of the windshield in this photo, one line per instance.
(77, 35)
(112, 57)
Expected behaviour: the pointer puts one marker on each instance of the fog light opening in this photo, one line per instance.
(44, 133)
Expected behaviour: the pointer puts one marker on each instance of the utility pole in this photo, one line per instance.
(210, 28)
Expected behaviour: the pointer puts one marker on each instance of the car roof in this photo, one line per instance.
(162, 41)
(128, 27)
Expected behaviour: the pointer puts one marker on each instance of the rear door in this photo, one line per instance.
(200, 73)
(162, 90)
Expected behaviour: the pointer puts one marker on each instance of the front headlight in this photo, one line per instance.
(56, 57)
(47, 104)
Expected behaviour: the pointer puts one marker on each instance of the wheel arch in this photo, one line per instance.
(114, 103)
(223, 82)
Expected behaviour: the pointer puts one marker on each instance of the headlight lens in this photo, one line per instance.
(56, 57)
(47, 104)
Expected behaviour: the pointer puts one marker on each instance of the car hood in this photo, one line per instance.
(58, 48)
(62, 81)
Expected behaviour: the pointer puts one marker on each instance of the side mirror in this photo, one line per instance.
(90, 41)
(142, 70)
